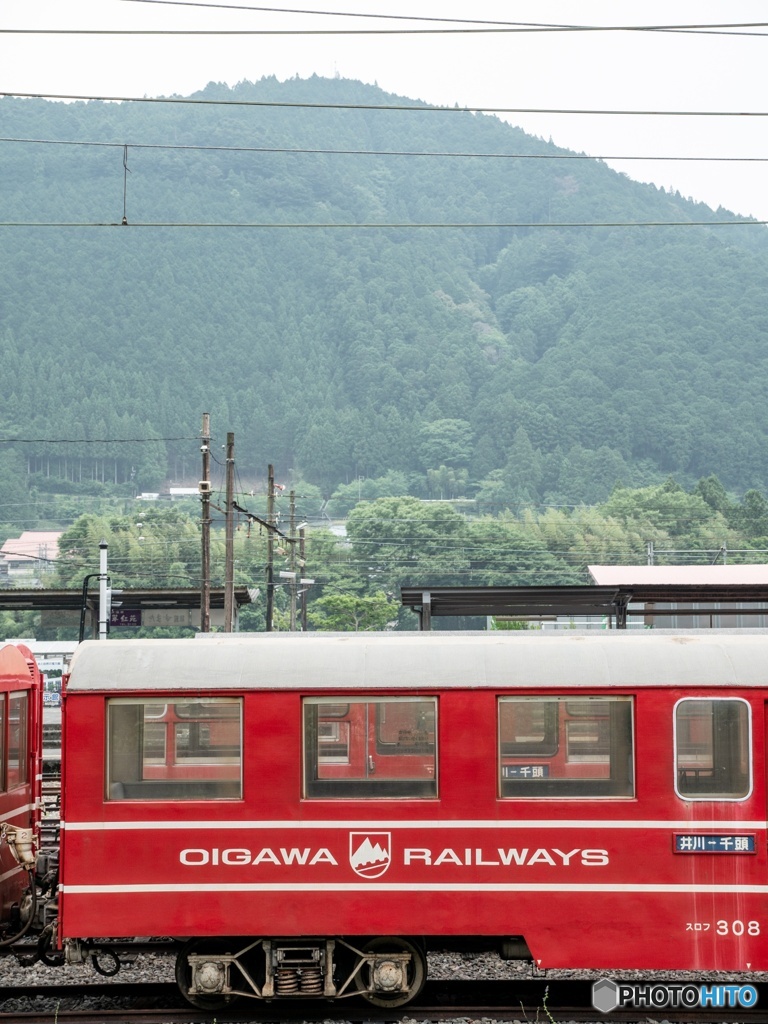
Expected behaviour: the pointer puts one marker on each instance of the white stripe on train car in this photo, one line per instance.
(9, 874)
(687, 824)
(16, 811)
(101, 890)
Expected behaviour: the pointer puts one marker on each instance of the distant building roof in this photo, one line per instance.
(31, 545)
(678, 575)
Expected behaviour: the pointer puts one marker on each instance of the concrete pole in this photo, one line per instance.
(270, 547)
(302, 561)
(103, 592)
(205, 500)
(229, 549)
(293, 582)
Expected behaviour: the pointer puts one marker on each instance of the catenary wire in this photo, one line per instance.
(464, 31)
(379, 152)
(416, 17)
(465, 26)
(424, 108)
(402, 226)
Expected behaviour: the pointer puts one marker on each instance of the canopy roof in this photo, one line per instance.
(612, 601)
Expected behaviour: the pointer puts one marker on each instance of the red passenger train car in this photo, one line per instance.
(311, 814)
(21, 710)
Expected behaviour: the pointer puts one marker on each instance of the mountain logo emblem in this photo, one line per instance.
(370, 853)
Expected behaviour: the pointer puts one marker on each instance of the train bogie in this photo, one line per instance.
(312, 814)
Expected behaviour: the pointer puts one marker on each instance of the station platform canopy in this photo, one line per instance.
(656, 599)
(174, 607)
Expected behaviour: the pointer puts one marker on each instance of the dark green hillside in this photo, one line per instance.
(515, 363)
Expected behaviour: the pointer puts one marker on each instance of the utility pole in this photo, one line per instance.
(293, 561)
(229, 537)
(270, 546)
(104, 594)
(302, 563)
(205, 503)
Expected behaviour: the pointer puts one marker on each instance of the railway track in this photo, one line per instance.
(535, 1000)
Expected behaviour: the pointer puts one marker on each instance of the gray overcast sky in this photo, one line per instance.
(602, 70)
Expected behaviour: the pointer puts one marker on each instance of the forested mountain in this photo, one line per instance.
(511, 363)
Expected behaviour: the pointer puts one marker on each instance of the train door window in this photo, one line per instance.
(16, 770)
(712, 749)
(370, 747)
(190, 750)
(558, 747)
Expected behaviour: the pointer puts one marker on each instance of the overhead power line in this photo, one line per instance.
(723, 28)
(424, 108)
(464, 30)
(380, 226)
(445, 154)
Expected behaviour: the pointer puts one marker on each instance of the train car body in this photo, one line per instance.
(351, 801)
(21, 703)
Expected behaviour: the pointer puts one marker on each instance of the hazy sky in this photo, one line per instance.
(609, 70)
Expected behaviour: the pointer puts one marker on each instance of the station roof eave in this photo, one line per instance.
(39, 599)
(576, 601)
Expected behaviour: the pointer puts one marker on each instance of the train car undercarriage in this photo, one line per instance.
(386, 971)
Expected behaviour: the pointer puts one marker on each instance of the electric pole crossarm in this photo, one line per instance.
(263, 522)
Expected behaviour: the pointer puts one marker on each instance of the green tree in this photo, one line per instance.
(446, 482)
(398, 541)
(752, 517)
(160, 549)
(506, 552)
(15, 504)
(712, 491)
(350, 613)
(446, 443)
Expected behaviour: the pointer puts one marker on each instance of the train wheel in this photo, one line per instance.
(374, 978)
(211, 975)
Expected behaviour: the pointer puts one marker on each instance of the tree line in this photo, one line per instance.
(510, 365)
(400, 540)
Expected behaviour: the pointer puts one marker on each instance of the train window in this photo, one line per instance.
(405, 728)
(378, 747)
(335, 710)
(154, 740)
(184, 751)
(16, 765)
(712, 749)
(528, 727)
(555, 747)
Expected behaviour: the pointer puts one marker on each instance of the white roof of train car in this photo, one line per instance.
(365, 661)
